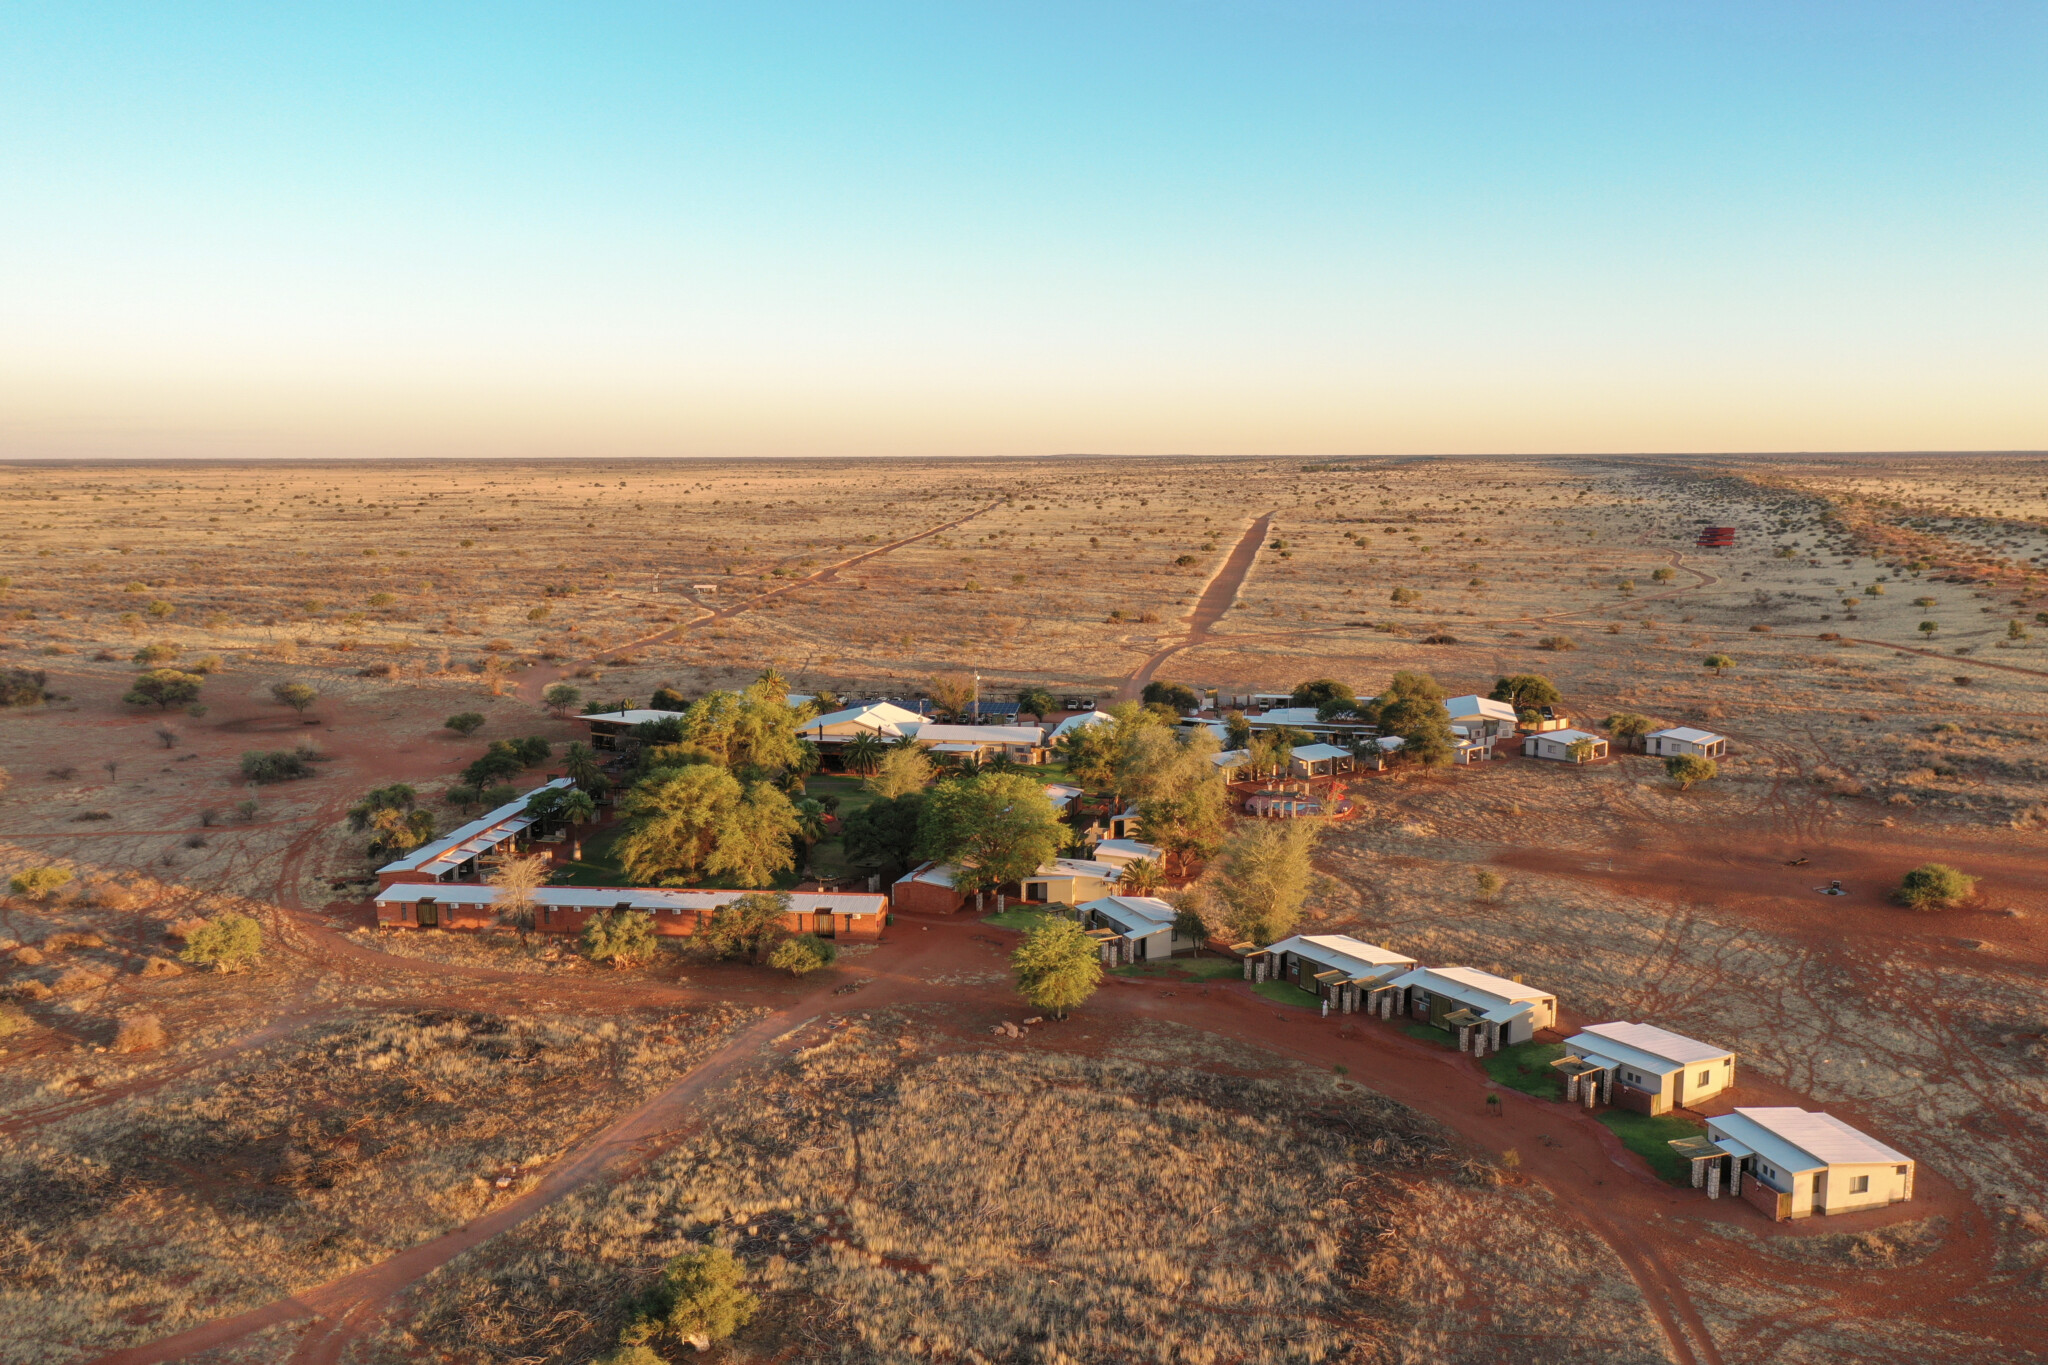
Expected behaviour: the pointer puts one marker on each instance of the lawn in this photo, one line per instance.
(1526, 1067)
(1429, 1033)
(1285, 993)
(1650, 1139)
(1021, 920)
(1186, 968)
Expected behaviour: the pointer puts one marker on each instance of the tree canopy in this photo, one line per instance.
(1413, 708)
(900, 771)
(753, 840)
(1261, 877)
(749, 926)
(1057, 966)
(1178, 696)
(673, 816)
(1320, 691)
(883, 833)
(164, 688)
(1036, 702)
(1524, 691)
(701, 1295)
(996, 828)
(620, 937)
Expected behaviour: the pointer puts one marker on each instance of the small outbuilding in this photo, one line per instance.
(1799, 1163)
(1349, 973)
(1142, 927)
(1483, 718)
(1124, 852)
(1684, 741)
(927, 889)
(1492, 1011)
(1319, 760)
(1071, 881)
(1565, 746)
(1652, 1070)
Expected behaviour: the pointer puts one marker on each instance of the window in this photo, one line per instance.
(1706, 1078)
(1860, 1185)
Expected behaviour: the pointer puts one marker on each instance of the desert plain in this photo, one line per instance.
(381, 1147)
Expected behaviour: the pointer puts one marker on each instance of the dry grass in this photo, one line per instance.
(896, 1206)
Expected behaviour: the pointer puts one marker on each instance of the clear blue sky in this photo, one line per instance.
(972, 229)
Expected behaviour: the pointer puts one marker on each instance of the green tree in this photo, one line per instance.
(1178, 696)
(1686, 769)
(501, 760)
(1720, 663)
(1057, 966)
(753, 839)
(863, 754)
(400, 831)
(883, 833)
(1090, 754)
(996, 828)
(1261, 878)
(398, 796)
(666, 698)
(1141, 877)
(2016, 630)
(465, 723)
(673, 817)
(1237, 731)
(227, 944)
(580, 765)
(1036, 702)
(1182, 801)
(1320, 691)
(531, 751)
(1628, 725)
(40, 883)
(951, 693)
(810, 825)
(1935, 886)
(1929, 627)
(903, 770)
(749, 926)
(464, 796)
(297, 695)
(1413, 708)
(559, 697)
(620, 937)
(164, 688)
(701, 1296)
(1526, 691)
(274, 765)
(576, 807)
(1189, 921)
(802, 955)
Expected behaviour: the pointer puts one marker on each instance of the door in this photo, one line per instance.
(429, 915)
(1678, 1089)
(821, 923)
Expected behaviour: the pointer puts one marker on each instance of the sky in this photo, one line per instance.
(1021, 229)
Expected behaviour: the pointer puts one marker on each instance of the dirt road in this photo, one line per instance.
(1216, 599)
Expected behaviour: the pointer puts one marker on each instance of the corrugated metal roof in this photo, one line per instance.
(1655, 1043)
(1825, 1138)
(656, 898)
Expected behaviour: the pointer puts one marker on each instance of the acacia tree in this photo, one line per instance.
(1720, 663)
(559, 697)
(164, 688)
(1413, 708)
(749, 926)
(1189, 921)
(1182, 801)
(297, 695)
(952, 693)
(674, 816)
(1057, 966)
(995, 828)
(883, 833)
(1526, 691)
(1261, 877)
(901, 770)
(1035, 702)
(465, 723)
(620, 937)
(700, 1297)
(1686, 769)
(753, 838)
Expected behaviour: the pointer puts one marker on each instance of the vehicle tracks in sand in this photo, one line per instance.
(1217, 597)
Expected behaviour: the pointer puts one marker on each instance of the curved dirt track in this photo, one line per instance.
(1216, 598)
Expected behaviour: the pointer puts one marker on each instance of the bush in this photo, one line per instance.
(39, 882)
(700, 1295)
(297, 695)
(22, 686)
(1487, 883)
(620, 937)
(802, 955)
(14, 1019)
(1686, 769)
(465, 723)
(274, 765)
(1935, 886)
(227, 944)
(1557, 644)
(164, 688)
(139, 1033)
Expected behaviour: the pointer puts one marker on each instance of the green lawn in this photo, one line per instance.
(1286, 993)
(847, 787)
(1019, 919)
(1186, 968)
(1650, 1139)
(1428, 1033)
(1526, 1067)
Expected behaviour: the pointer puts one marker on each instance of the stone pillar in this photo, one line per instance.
(1714, 1178)
(1248, 968)
(1571, 1088)
(1607, 1086)
(1000, 900)
(1464, 1038)
(1699, 1174)
(1735, 1176)
(1592, 1093)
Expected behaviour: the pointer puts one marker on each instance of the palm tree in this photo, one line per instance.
(579, 761)
(810, 826)
(863, 754)
(1141, 877)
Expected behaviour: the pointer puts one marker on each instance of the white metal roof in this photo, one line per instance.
(464, 842)
(1316, 753)
(1286, 715)
(1078, 867)
(1124, 850)
(1566, 736)
(884, 718)
(656, 898)
(934, 874)
(1686, 734)
(1388, 743)
(1645, 1046)
(1344, 953)
(1476, 705)
(1146, 914)
(979, 734)
(1787, 1133)
(1495, 997)
(1231, 758)
(639, 715)
(1076, 722)
(1060, 793)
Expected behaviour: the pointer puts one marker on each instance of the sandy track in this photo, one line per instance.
(1216, 599)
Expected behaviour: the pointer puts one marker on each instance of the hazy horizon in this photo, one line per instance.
(1320, 231)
